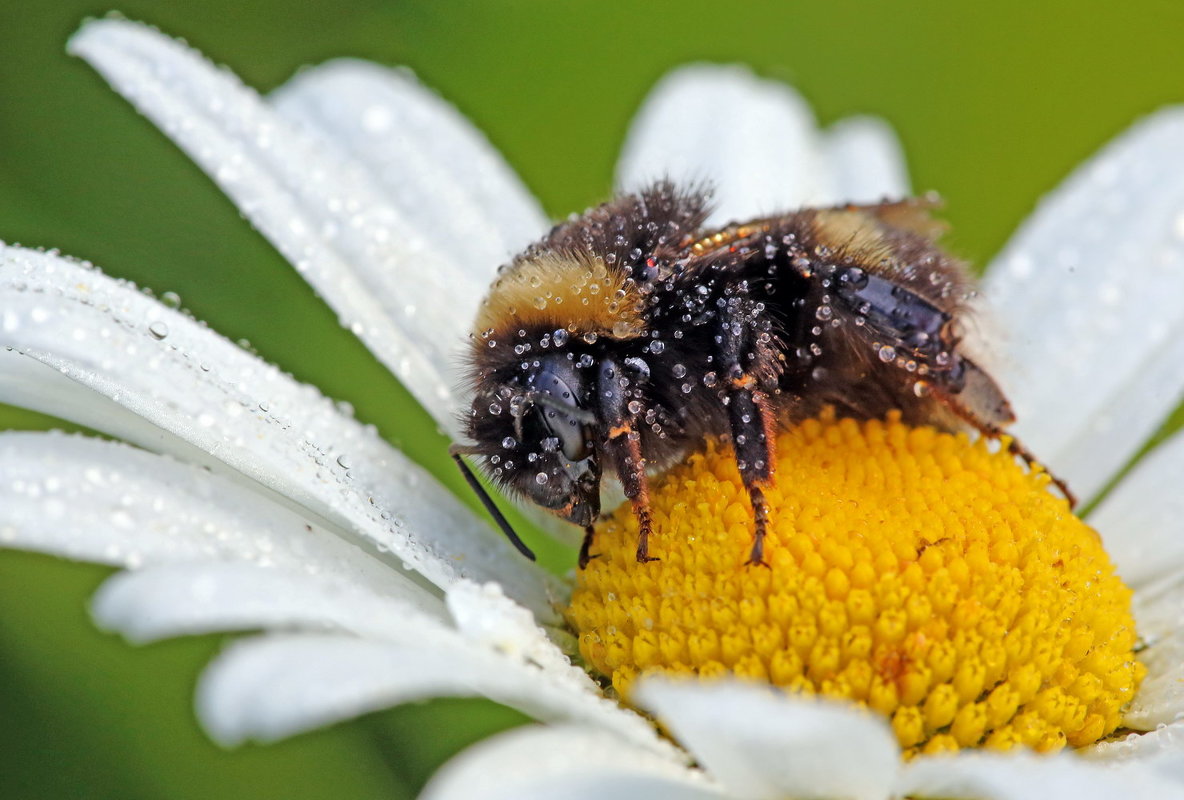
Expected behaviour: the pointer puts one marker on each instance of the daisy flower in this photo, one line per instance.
(243, 500)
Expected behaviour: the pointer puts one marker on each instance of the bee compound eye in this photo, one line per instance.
(558, 421)
(572, 437)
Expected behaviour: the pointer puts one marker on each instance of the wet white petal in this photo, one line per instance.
(484, 614)
(204, 597)
(754, 140)
(275, 686)
(431, 163)
(758, 143)
(102, 501)
(563, 761)
(1089, 290)
(1022, 776)
(400, 292)
(1165, 741)
(865, 157)
(761, 743)
(1142, 520)
(97, 342)
(1159, 619)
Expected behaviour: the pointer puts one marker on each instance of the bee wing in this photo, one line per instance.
(757, 142)
(1090, 291)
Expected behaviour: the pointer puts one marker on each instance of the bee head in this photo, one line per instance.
(538, 439)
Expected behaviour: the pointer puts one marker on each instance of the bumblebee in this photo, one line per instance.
(629, 333)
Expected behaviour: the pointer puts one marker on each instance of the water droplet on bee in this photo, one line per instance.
(679, 370)
(635, 407)
(509, 443)
(495, 408)
(824, 313)
(559, 337)
(542, 478)
(657, 346)
(887, 353)
(540, 302)
(709, 379)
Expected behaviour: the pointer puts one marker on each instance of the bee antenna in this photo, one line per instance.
(456, 451)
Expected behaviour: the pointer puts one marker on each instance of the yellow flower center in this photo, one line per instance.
(911, 571)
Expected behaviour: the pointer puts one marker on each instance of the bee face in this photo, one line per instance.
(546, 439)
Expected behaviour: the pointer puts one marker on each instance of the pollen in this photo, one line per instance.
(932, 579)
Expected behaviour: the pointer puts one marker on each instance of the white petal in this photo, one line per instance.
(103, 501)
(1089, 289)
(278, 685)
(401, 293)
(97, 343)
(761, 743)
(205, 597)
(865, 156)
(1159, 619)
(1142, 519)
(757, 142)
(1023, 776)
(563, 761)
(1165, 741)
(431, 163)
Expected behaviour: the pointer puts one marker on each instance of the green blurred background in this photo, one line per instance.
(994, 104)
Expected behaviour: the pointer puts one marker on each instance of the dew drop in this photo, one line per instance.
(158, 330)
(343, 461)
(171, 299)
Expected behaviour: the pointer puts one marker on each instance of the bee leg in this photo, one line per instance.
(753, 427)
(622, 448)
(750, 415)
(990, 430)
(586, 546)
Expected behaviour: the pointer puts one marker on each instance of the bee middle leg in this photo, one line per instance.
(750, 415)
(753, 423)
(622, 447)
